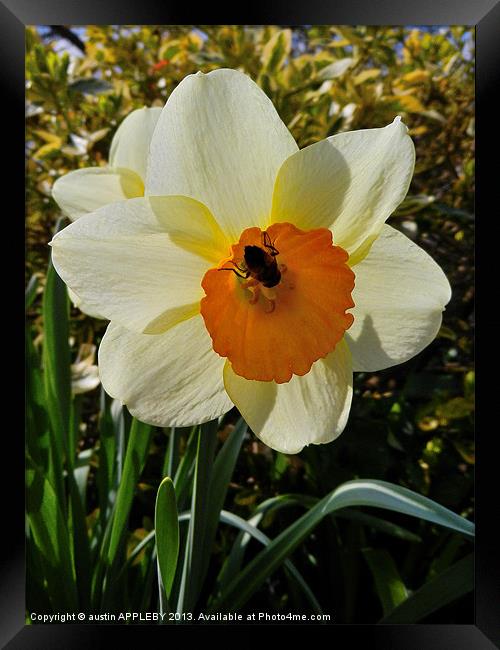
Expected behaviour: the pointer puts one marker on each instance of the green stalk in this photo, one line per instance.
(191, 581)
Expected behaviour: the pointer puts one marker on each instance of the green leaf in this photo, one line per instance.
(172, 455)
(276, 50)
(114, 536)
(232, 565)
(56, 355)
(74, 429)
(335, 69)
(378, 523)
(238, 522)
(150, 537)
(57, 374)
(36, 417)
(455, 409)
(191, 581)
(107, 459)
(168, 51)
(379, 494)
(389, 586)
(135, 457)
(37, 593)
(413, 203)
(90, 86)
(50, 535)
(448, 586)
(185, 470)
(446, 557)
(77, 526)
(248, 529)
(365, 75)
(81, 472)
(353, 493)
(167, 533)
(145, 588)
(30, 293)
(221, 475)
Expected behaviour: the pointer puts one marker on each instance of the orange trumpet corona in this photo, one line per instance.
(270, 333)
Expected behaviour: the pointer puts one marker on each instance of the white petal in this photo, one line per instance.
(122, 263)
(220, 140)
(85, 190)
(350, 182)
(312, 409)
(400, 295)
(130, 144)
(78, 302)
(171, 379)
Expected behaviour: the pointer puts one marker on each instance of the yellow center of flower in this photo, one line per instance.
(278, 304)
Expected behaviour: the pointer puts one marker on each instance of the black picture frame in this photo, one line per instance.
(485, 16)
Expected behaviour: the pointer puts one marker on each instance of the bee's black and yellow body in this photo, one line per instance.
(259, 264)
(262, 266)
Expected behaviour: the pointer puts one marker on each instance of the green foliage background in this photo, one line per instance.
(410, 425)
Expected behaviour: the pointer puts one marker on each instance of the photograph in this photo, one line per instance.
(249, 295)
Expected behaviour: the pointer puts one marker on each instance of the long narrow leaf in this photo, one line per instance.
(64, 421)
(232, 565)
(103, 580)
(359, 492)
(74, 429)
(255, 533)
(77, 526)
(185, 470)
(234, 520)
(446, 587)
(379, 494)
(233, 562)
(57, 374)
(107, 460)
(379, 524)
(150, 537)
(167, 533)
(37, 593)
(50, 534)
(172, 455)
(191, 581)
(221, 475)
(37, 422)
(56, 356)
(135, 457)
(388, 584)
(30, 293)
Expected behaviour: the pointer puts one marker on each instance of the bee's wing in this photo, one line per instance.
(266, 240)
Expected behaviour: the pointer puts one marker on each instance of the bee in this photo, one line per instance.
(260, 270)
(259, 264)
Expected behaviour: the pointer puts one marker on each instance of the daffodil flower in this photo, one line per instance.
(252, 273)
(84, 190)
